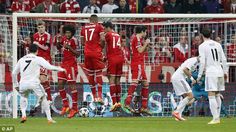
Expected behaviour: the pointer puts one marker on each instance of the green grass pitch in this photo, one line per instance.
(124, 124)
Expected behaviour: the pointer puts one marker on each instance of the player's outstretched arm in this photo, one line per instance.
(42, 62)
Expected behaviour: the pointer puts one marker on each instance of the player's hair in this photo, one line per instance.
(107, 24)
(33, 48)
(69, 28)
(140, 29)
(93, 18)
(40, 22)
(206, 32)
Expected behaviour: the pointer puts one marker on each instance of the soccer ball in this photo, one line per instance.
(84, 112)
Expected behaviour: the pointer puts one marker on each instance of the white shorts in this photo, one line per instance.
(214, 84)
(181, 86)
(36, 88)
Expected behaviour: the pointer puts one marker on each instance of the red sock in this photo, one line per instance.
(74, 94)
(113, 93)
(131, 90)
(92, 84)
(47, 88)
(144, 96)
(64, 98)
(118, 92)
(99, 82)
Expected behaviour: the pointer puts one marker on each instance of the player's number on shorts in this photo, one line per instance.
(214, 54)
(89, 33)
(116, 43)
(28, 63)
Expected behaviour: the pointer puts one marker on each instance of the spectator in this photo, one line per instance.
(231, 50)
(163, 50)
(20, 6)
(70, 6)
(196, 42)
(92, 7)
(233, 6)
(149, 2)
(212, 6)
(123, 7)
(199, 7)
(2, 7)
(109, 7)
(47, 7)
(181, 50)
(155, 7)
(136, 6)
(173, 7)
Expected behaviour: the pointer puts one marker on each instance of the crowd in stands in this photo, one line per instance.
(118, 6)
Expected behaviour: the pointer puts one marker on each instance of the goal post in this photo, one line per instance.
(190, 23)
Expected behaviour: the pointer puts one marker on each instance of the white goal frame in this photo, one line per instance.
(15, 16)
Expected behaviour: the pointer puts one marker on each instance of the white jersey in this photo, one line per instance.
(190, 63)
(107, 8)
(212, 55)
(29, 68)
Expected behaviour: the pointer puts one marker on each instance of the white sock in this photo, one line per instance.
(23, 105)
(46, 108)
(172, 100)
(181, 105)
(218, 101)
(213, 107)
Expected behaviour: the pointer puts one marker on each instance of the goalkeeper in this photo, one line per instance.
(198, 90)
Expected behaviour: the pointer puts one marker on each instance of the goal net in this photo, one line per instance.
(168, 33)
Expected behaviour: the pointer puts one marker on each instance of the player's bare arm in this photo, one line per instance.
(188, 73)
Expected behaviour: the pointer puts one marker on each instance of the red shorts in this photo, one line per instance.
(71, 72)
(115, 65)
(138, 72)
(94, 62)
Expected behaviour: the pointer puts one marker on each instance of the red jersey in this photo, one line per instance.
(43, 39)
(18, 7)
(91, 33)
(68, 56)
(113, 45)
(137, 58)
(231, 52)
(70, 7)
(154, 9)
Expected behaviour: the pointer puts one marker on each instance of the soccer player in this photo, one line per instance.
(212, 56)
(93, 58)
(29, 69)
(182, 87)
(139, 47)
(43, 40)
(115, 59)
(69, 62)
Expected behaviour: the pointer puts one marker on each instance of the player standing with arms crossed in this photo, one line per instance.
(212, 55)
(139, 47)
(69, 62)
(29, 69)
(43, 40)
(93, 58)
(115, 59)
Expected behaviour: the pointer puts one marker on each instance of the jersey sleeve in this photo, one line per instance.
(42, 62)
(15, 72)
(190, 63)
(224, 61)
(82, 34)
(202, 55)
